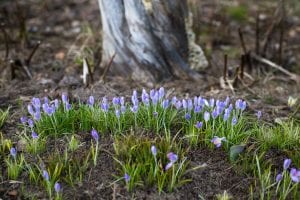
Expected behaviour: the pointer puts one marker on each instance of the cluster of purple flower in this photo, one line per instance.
(46, 177)
(172, 157)
(216, 107)
(217, 141)
(294, 173)
(34, 108)
(210, 109)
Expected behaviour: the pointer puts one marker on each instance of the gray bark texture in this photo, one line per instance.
(148, 37)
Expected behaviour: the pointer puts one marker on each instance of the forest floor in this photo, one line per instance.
(70, 30)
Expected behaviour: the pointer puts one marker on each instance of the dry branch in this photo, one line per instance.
(269, 63)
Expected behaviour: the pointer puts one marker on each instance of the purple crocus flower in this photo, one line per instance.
(189, 104)
(117, 112)
(64, 97)
(244, 105)
(168, 166)
(57, 187)
(174, 100)
(184, 104)
(95, 135)
(206, 116)
(230, 107)
(218, 103)
(134, 98)
(126, 177)
(226, 116)
(13, 152)
(155, 98)
(49, 110)
(218, 141)
(197, 109)
(34, 135)
(37, 115)
(188, 116)
(23, 119)
(46, 100)
(227, 101)
(195, 101)
(279, 177)
(30, 109)
(165, 103)
(134, 94)
(258, 114)
(30, 123)
(116, 101)
(240, 104)
(178, 105)
(202, 102)
(227, 111)
(199, 125)
(161, 93)
(214, 114)
(145, 98)
(36, 102)
(45, 107)
(122, 101)
(212, 102)
(68, 106)
(91, 101)
(45, 175)
(134, 109)
(104, 104)
(153, 150)
(123, 109)
(152, 93)
(234, 121)
(155, 114)
(287, 163)
(295, 175)
(220, 109)
(56, 103)
(172, 157)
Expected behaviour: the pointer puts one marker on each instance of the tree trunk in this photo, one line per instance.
(148, 37)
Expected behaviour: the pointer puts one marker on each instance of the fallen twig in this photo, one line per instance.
(267, 62)
(27, 71)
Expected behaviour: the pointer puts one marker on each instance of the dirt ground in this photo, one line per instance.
(71, 29)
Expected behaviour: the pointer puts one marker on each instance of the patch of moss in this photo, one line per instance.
(237, 13)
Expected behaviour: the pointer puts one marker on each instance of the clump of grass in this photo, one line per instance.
(282, 185)
(146, 162)
(284, 137)
(3, 116)
(15, 164)
(159, 161)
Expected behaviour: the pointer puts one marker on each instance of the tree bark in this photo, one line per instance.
(150, 43)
